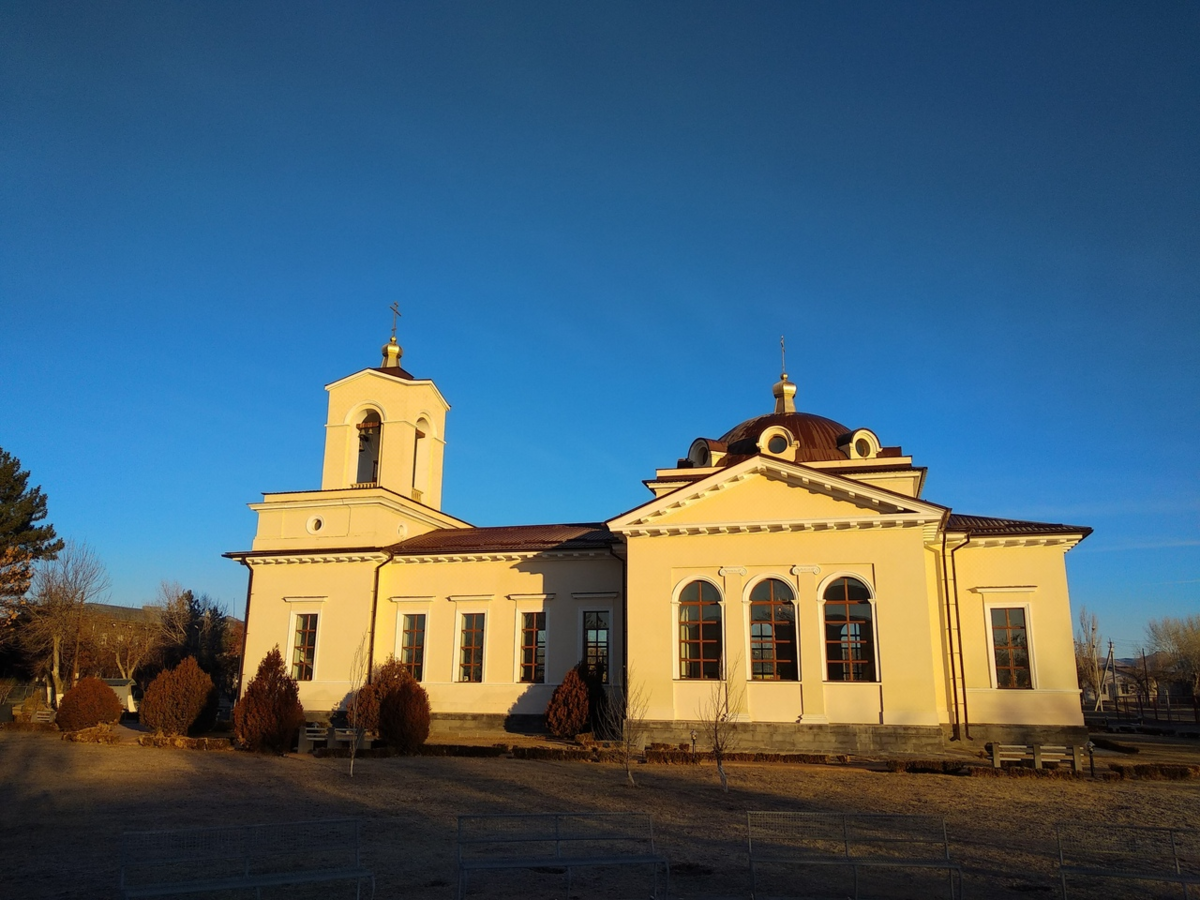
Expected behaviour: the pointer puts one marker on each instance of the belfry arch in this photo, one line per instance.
(370, 442)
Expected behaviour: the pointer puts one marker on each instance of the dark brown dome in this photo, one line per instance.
(817, 436)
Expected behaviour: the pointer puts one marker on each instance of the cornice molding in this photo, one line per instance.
(872, 523)
(595, 595)
(1005, 589)
(331, 556)
(519, 597)
(513, 556)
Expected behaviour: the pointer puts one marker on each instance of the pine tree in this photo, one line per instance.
(22, 540)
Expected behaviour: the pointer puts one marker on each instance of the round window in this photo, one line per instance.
(862, 447)
(777, 444)
(315, 524)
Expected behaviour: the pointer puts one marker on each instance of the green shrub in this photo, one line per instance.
(404, 716)
(567, 711)
(268, 716)
(175, 699)
(90, 702)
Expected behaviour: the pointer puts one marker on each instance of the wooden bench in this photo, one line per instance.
(249, 857)
(1129, 852)
(1040, 754)
(854, 841)
(557, 841)
(43, 716)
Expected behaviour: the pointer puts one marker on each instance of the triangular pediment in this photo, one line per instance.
(762, 493)
(386, 381)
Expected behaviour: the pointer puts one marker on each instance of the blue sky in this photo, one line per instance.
(978, 227)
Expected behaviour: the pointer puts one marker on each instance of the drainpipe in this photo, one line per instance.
(958, 624)
(950, 641)
(624, 617)
(245, 627)
(374, 609)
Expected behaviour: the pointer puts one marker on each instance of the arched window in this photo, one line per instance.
(772, 632)
(699, 631)
(849, 631)
(368, 449)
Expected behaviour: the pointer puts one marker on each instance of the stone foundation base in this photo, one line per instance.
(790, 737)
(500, 724)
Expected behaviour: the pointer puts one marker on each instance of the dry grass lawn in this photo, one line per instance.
(64, 806)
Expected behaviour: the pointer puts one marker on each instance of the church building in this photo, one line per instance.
(793, 558)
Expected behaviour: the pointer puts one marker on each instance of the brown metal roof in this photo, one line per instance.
(988, 526)
(816, 435)
(395, 372)
(520, 538)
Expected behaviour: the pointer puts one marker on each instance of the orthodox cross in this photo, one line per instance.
(395, 315)
(783, 356)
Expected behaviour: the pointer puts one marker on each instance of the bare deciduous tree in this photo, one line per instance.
(358, 677)
(60, 589)
(1087, 654)
(1178, 642)
(718, 715)
(623, 719)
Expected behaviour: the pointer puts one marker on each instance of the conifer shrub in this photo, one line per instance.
(176, 698)
(404, 716)
(268, 716)
(567, 711)
(90, 702)
(364, 713)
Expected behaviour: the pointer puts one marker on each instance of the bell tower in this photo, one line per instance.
(386, 429)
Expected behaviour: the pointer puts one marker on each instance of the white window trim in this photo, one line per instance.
(988, 606)
(612, 627)
(456, 672)
(679, 586)
(303, 610)
(746, 625)
(821, 589)
(530, 603)
(413, 606)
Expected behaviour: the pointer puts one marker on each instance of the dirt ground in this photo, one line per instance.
(64, 806)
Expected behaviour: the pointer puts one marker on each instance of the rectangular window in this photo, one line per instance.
(304, 648)
(595, 642)
(412, 645)
(533, 647)
(1011, 645)
(471, 648)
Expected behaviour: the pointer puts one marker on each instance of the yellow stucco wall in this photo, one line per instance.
(1054, 698)
(401, 404)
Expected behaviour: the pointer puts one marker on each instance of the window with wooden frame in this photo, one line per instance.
(304, 647)
(849, 631)
(533, 647)
(471, 648)
(699, 631)
(412, 645)
(596, 630)
(772, 632)
(1010, 644)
